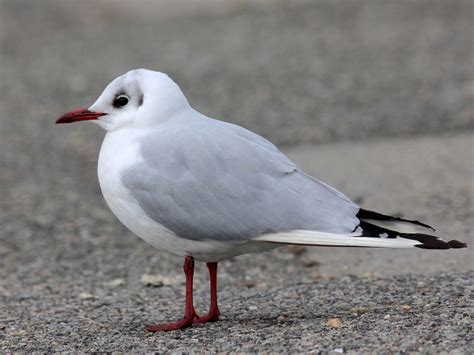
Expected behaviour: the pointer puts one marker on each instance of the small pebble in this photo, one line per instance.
(86, 296)
(115, 283)
(334, 323)
(406, 308)
(358, 310)
(370, 275)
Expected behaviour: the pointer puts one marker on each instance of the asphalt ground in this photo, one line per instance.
(373, 98)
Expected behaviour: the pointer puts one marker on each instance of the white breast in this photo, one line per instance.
(120, 150)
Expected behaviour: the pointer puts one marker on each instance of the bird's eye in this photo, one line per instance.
(120, 101)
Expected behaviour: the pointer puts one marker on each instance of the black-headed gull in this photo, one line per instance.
(210, 190)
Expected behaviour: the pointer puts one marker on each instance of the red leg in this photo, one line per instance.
(214, 313)
(189, 313)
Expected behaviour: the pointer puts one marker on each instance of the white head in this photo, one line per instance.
(138, 98)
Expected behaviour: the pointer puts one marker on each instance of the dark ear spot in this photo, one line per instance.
(140, 100)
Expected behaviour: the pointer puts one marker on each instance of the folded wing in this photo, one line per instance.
(214, 180)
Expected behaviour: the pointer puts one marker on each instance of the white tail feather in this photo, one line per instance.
(308, 237)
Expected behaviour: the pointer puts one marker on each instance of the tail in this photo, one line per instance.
(375, 230)
(377, 225)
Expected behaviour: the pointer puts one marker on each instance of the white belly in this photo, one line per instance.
(119, 151)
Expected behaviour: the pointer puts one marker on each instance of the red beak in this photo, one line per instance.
(80, 114)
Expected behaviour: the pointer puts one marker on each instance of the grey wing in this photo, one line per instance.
(214, 180)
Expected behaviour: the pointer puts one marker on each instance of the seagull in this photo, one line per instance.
(209, 190)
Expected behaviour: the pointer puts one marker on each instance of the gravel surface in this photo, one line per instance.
(71, 277)
(402, 313)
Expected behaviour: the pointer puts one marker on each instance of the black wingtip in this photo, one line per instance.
(456, 244)
(368, 214)
(431, 242)
(426, 241)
